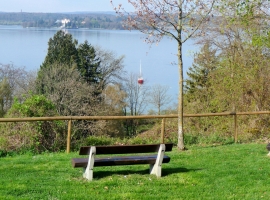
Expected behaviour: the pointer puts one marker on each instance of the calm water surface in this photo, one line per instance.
(28, 47)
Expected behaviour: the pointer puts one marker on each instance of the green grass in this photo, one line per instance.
(238, 171)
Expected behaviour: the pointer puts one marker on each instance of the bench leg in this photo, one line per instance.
(156, 168)
(88, 173)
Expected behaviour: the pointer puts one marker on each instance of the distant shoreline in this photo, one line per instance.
(71, 20)
(58, 28)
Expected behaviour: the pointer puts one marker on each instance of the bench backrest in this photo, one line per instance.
(125, 149)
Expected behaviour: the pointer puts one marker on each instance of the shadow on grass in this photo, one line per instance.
(176, 170)
(165, 172)
(102, 174)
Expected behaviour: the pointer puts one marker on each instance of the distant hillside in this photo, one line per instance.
(90, 12)
(103, 20)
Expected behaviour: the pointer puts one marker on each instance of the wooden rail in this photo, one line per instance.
(163, 117)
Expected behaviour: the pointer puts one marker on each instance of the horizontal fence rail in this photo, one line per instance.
(28, 119)
(163, 117)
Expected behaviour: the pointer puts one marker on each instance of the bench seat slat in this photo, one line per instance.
(120, 160)
(123, 149)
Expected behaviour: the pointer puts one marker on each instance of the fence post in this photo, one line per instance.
(235, 129)
(162, 130)
(69, 136)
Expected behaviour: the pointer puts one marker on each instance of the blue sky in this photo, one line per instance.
(59, 5)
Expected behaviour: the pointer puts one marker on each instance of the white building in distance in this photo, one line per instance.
(63, 22)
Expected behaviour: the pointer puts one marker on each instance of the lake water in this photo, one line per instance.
(28, 47)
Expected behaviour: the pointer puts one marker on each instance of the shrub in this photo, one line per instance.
(99, 140)
(35, 136)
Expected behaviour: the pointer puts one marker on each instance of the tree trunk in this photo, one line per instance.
(180, 144)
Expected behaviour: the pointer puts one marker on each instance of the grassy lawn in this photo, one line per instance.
(239, 171)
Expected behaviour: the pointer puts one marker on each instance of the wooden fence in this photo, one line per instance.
(163, 117)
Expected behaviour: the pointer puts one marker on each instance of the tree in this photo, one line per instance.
(68, 90)
(158, 96)
(111, 68)
(14, 75)
(15, 81)
(136, 95)
(114, 99)
(72, 96)
(114, 104)
(61, 50)
(26, 86)
(5, 97)
(205, 61)
(179, 20)
(136, 100)
(240, 79)
(88, 63)
(73, 77)
(198, 92)
(239, 25)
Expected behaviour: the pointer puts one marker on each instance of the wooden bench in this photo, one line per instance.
(155, 161)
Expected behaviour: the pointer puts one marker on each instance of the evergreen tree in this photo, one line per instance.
(204, 62)
(88, 63)
(61, 50)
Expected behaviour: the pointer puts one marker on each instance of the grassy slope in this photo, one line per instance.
(223, 172)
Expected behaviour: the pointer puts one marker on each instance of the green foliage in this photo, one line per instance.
(191, 139)
(142, 140)
(70, 77)
(36, 136)
(262, 40)
(204, 63)
(63, 51)
(239, 81)
(5, 96)
(35, 106)
(2, 153)
(145, 127)
(88, 63)
(98, 140)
